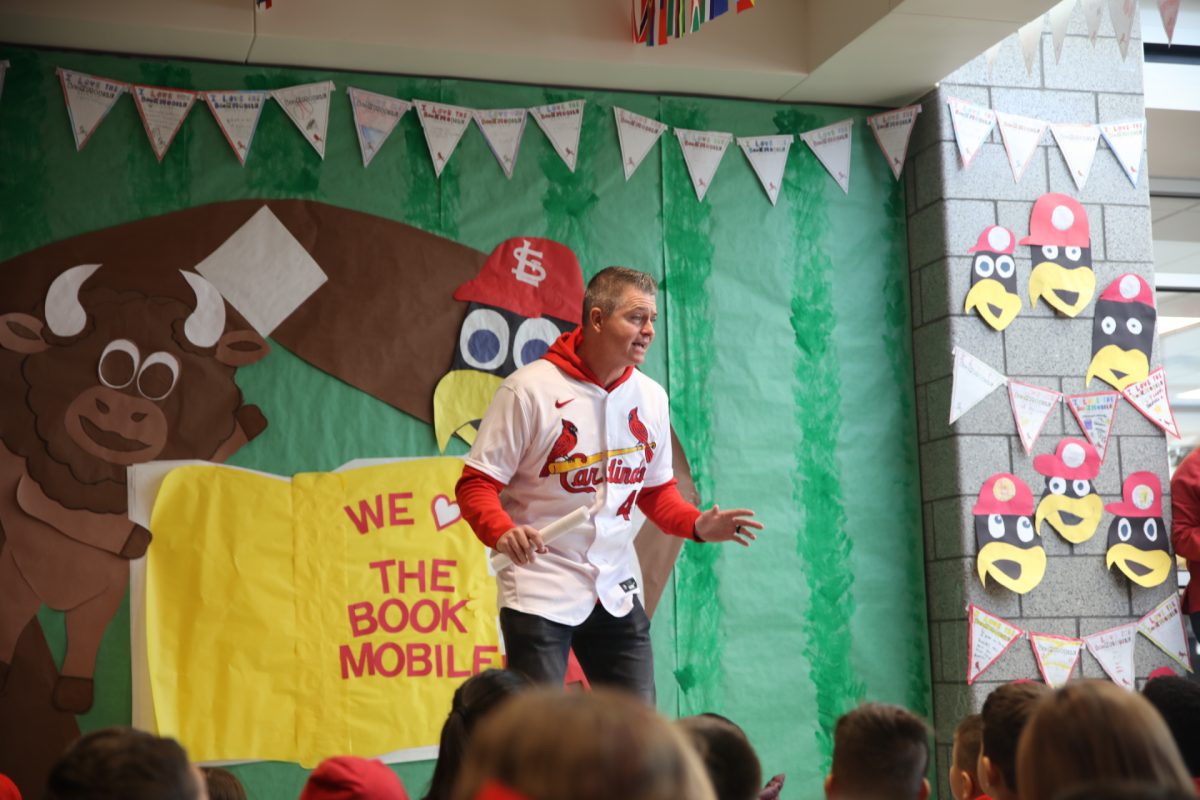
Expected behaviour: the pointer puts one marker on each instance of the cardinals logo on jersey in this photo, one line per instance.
(562, 447)
(581, 472)
(638, 429)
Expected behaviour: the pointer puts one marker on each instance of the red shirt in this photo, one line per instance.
(1185, 524)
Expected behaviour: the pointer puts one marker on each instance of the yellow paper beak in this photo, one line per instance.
(461, 398)
(1030, 563)
(1066, 290)
(995, 304)
(1144, 567)
(1086, 513)
(1118, 368)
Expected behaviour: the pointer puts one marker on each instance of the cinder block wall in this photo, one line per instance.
(948, 207)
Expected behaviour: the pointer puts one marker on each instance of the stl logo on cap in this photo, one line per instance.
(1061, 248)
(993, 292)
(1138, 541)
(1070, 502)
(1007, 543)
(1123, 333)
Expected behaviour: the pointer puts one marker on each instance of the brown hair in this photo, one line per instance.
(123, 764)
(880, 751)
(968, 737)
(1092, 731)
(222, 784)
(605, 288)
(729, 758)
(1004, 714)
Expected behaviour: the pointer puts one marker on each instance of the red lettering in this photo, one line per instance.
(454, 673)
(390, 647)
(362, 618)
(390, 603)
(441, 572)
(382, 567)
(483, 656)
(396, 511)
(450, 615)
(416, 622)
(418, 660)
(402, 576)
(363, 664)
(375, 519)
(627, 506)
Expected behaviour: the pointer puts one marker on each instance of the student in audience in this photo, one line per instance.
(222, 784)
(880, 752)
(1095, 732)
(1004, 715)
(473, 700)
(732, 765)
(964, 759)
(546, 744)
(124, 764)
(1178, 701)
(353, 778)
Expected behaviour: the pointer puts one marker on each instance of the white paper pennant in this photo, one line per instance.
(1126, 140)
(3, 69)
(308, 107)
(1021, 136)
(1031, 38)
(163, 112)
(502, 129)
(637, 134)
(892, 131)
(768, 156)
(1077, 143)
(1164, 627)
(1059, 17)
(973, 381)
(444, 126)
(1122, 12)
(1031, 407)
(237, 114)
(702, 151)
(1168, 11)
(1056, 657)
(831, 146)
(972, 126)
(1151, 398)
(89, 99)
(1093, 12)
(375, 117)
(561, 122)
(1095, 413)
(988, 638)
(1113, 648)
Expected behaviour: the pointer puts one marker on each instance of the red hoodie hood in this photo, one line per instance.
(564, 355)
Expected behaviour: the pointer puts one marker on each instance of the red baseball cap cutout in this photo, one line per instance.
(531, 277)
(1129, 288)
(1142, 497)
(1058, 219)
(1004, 493)
(1073, 459)
(350, 778)
(995, 239)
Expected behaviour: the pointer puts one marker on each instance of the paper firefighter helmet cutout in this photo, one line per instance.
(1009, 550)
(1138, 541)
(527, 294)
(1123, 333)
(993, 292)
(1070, 502)
(1061, 248)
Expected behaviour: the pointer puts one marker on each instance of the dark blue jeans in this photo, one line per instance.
(613, 651)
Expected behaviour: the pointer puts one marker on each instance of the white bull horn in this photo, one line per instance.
(206, 324)
(64, 312)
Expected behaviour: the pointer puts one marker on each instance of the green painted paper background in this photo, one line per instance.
(783, 339)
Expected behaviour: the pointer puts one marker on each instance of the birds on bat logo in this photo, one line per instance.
(581, 472)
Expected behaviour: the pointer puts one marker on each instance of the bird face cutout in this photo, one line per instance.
(1061, 249)
(993, 293)
(1137, 537)
(1123, 333)
(1009, 550)
(1070, 502)
(527, 294)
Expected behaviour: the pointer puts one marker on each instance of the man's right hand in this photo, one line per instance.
(520, 543)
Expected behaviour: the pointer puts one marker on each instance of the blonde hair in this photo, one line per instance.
(548, 744)
(1094, 731)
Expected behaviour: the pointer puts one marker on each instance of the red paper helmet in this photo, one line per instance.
(531, 277)
(1059, 220)
(1073, 459)
(1129, 288)
(1004, 493)
(995, 239)
(1141, 497)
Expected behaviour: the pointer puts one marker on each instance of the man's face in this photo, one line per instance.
(626, 334)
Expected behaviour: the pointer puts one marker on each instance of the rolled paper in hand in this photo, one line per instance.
(549, 533)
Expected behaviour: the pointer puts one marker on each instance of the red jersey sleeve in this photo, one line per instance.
(667, 509)
(478, 497)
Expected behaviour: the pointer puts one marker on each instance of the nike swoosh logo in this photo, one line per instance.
(561, 403)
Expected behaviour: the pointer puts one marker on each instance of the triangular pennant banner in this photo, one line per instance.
(988, 638)
(1121, 12)
(831, 146)
(1077, 143)
(1126, 139)
(1056, 657)
(702, 151)
(973, 381)
(89, 99)
(637, 134)
(1059, 17)
(1021, 136)
(972, 126)
(308, 107)
(1164, 627)
(237, 114)
(892, 131)
(1031, 407)
(768, 156)
(163, 112)
(1113, 648)
(375, 117)
(3, 69)
(561, 122)
(1150, 397)
(502, 129)
(1095, 413)
(1168, 11)
(444, 126)
(1031, 37)
(1093, 12)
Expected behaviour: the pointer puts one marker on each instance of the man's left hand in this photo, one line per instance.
(734, 525)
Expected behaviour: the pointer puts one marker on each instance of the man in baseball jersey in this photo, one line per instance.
(582, 427)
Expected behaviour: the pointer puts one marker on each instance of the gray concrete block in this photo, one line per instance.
(954, 655)
(1127, 234)
(1145, 453)
(989, 176)
(1143, 601)
(947, 229)
(992, 416)
(922, 413)
(1061, 106)
(931, 166)
(1048, 347)
(951, 702)
(959, 466)
(933, 123)
(1098, 69)
(933, 346)
(953, 534)
(935, 650)
(1009, 67)
(910, 186)
(935, 291)
(1014, 215)
(1074, 586)
(927, 529)
(1119, 107)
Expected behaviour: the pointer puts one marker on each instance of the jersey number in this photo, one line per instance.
(627, 506)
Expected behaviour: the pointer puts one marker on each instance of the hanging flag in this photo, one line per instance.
(561, 122)
(717, 8)
(1113, 648)
(1095, 413)
(973, 381)
(1168, 11)
(375, 117)
(1021, 136)
(1031, 407)
(1126, 139)
(892, 131)
(237, 114)
(444, 126)
(642, 12)
(972, 125)
(1164, 627)
(768, 156)
(1122, 12)
(89, 99)
(1056, 657)
(163, 112)
(1093, 12)
(3, 69)
(991, 53)
(1077, 143)
(308, 107)
(1031, 39)
(1150, 397)
(744, 5)
(1059, 16)
(702, 151)
(831, 146)
(987, 639)
(636, 134)
(502, 129)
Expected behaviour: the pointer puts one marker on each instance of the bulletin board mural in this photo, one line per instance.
(783, 341)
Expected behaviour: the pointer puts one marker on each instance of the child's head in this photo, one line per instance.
(1004, 714)
(964, 781)
(728, 756)
(879, 751)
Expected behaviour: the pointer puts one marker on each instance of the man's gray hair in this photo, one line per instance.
(605, 288)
